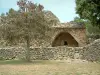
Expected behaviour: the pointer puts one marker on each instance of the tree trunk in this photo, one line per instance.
(27, 49)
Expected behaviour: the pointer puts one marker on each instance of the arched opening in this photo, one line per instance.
(65, 39)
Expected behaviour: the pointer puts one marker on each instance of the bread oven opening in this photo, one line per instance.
(64, 39)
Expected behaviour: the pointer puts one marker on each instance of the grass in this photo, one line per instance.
(13, 62)
(46, 67)
(22, 62)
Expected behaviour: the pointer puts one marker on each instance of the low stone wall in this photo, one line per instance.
(50, 53)
(54, 53)
(11, 53)
(90, 52)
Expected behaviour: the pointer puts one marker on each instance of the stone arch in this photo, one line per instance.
(64, 39)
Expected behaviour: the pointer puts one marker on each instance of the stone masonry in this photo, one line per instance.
(90, 52)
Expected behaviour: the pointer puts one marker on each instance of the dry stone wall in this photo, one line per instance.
(90, 52)
(53, 53)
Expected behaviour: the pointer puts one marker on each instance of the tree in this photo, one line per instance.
(78, 20)
(90, 29)
(89, 10)
(26, 23)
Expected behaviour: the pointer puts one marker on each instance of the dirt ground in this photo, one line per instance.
(51, 68)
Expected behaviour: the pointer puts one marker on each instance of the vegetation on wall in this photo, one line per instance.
(89, 27)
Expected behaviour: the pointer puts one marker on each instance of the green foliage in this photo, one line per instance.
(78, 20)
(2, 14)
(13, 62)
(1, 58)
(27, 23)
(92, 29)
(89, 10)
(89, 27)
(22, 24)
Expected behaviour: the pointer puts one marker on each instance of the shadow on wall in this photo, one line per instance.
(64, 39)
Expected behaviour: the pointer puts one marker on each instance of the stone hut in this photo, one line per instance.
(69, 34)
(64, 34)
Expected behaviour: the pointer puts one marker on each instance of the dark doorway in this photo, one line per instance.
(65, 43)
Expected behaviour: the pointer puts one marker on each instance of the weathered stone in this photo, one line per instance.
(90, 52)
